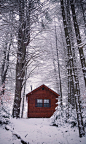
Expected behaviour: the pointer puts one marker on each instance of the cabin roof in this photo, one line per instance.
(42, 86)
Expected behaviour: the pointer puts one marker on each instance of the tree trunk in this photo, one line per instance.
(73, 77)
(5, 66)
(23, 41)
(79, 42)
(70, 32)
(61, 102)
(23, 94)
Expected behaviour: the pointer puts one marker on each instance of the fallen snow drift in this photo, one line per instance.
(39, 131)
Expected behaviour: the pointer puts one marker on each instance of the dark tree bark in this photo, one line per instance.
(73, 77)
(23, 41)
(79, 41)
(70, 32)
(25, 10)
(5, 65)
(7, 43)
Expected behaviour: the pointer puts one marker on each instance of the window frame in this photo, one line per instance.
(46, 103)
(39, 103)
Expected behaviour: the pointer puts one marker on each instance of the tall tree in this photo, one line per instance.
(23, 41)
(6, 43)
(79, 41)
(61, 102)
(70, 32)
(25, 10)
(72, 77)
(5, 64)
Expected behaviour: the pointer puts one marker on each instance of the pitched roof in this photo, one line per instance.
(42, 86)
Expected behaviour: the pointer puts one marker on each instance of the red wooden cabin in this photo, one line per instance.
(41, 102)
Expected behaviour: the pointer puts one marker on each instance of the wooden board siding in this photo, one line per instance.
(38, 112)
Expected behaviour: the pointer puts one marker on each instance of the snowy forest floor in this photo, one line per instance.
(38, 131)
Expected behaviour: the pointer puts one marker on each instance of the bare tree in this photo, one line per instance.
(61, 102)
(79, 41)
(72, 75)
(26, 8)
(23, 41)
(6, 43)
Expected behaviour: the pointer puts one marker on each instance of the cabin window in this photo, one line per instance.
(43, 103)
(39, 103)
(46, 103)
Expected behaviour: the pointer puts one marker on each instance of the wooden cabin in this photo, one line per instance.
(41, 102)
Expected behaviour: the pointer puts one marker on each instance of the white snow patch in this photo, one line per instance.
(39, 131)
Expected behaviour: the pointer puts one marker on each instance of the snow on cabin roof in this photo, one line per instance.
(42, 86)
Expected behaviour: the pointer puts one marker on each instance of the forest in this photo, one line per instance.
(43, 42)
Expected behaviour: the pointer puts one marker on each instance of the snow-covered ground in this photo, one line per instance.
(39, 131)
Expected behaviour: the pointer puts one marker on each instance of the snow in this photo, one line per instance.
(7, 137)
(39, 131)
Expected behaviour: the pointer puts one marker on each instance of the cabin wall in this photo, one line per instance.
(39, 112)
